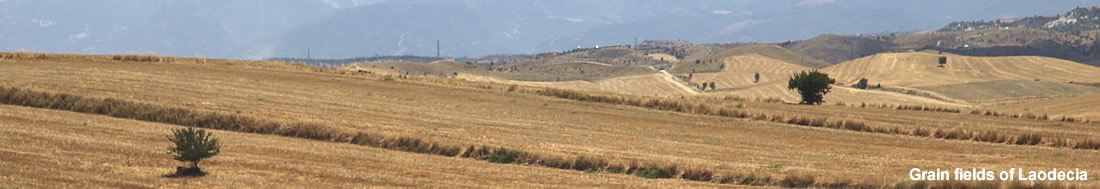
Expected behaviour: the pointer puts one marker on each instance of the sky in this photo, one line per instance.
(259, 29)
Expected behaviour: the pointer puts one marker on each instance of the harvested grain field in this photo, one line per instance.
(992, 91)
(474, 113)
(839, 94)
(644, 85)
(49, 148)
(663, 56)
(1079, 106)
(740, 72)
(919, 69)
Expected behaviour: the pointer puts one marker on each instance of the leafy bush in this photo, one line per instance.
(654, 172)
(504, 156)
(811, 85)
(797, 181)
(193, 146)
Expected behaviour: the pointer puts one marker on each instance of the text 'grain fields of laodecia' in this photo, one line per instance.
(1012, 174)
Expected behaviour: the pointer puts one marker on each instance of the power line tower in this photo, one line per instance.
(437, 52)
(635, 47)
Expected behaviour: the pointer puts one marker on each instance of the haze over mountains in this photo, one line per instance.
(256, 29)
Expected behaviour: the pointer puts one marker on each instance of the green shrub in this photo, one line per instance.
(504, 156)
(654, 172)
(193, 146)
(797, 181)
(812, 86)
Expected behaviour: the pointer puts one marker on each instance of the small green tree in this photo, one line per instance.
(711, 85)
(862, 83)
(811, 85)
(756, 78)
(943, 61)
(193, 146)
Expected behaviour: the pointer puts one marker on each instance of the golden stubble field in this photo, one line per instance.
(47, 149)
(469, 115)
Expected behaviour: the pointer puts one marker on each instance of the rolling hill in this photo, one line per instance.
(917, 69)
(712, 62)
(740, 71)
(568, 71)
(835, 49)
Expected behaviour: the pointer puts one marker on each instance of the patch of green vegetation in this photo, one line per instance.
(1060, 154)
(545, 104)
(1055, 125)
(650, 173)
(387, 78)
(654, 172)
(776, 166)
(504, 156)
(260, 99)
(591, 171)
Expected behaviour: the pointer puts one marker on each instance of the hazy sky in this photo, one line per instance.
(258, 29)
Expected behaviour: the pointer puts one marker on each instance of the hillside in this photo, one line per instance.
(740, 72)
(1007, 42)
(711, 62)
(570, 71)
(1076, 22)
(556, 126)
(656, 84)
(835, 49)
(917, 69)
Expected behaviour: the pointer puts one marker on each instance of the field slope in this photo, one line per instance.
(919, 69)
(48, 148)
(740, 72)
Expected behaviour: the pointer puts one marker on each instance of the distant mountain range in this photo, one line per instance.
(257, 29)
